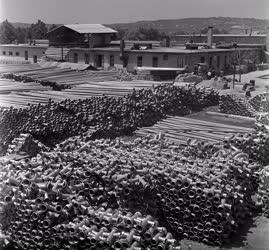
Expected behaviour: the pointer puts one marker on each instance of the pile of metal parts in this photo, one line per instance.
(25, 143)
(255, 144)
(109, 116)
(260, 102)
(235, 105)
(103, 193)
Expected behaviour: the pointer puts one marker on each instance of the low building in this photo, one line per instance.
(175, 57)
(94, 45)
(32, 53)
(81, 35)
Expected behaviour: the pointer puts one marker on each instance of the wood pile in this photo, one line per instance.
(8, 86)
(53, 75)
(180, 129)
(57, 54)
(18, 94)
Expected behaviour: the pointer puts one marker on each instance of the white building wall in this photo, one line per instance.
(32, 51)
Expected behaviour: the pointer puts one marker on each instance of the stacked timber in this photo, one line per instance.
(57, 54)
(180, 129)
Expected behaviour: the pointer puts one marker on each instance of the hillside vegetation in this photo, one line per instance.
(190, 25)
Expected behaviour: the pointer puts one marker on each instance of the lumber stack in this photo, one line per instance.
(181, 129)
(18, 94)
(57, 54)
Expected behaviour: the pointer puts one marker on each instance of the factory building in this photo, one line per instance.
(223, 38)
(95, 44)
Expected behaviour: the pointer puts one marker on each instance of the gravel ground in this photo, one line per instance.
(254, 236)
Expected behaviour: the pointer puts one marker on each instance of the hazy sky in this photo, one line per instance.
(114, 11)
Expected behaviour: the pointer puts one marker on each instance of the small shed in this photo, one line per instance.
(81, 35)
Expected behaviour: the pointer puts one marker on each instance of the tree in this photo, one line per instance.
(7, 32)
(215, 31)
(38, 30)
(21, 34)
(146, 34)
(52, 27)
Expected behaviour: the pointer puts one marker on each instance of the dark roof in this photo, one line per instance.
(171, 50)
(88, 28)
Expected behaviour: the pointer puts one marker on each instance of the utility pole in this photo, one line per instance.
(234, 68)
(239, 60)
(233, 74)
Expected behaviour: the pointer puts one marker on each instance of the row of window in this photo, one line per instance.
(10, 53)
(202, 59)
(98, 59)
(140, 61)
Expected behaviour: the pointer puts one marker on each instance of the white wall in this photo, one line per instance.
(32, 51)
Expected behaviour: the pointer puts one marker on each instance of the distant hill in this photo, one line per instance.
(191, 25)
(26, 25)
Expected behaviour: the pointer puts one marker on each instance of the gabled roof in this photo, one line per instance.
(88, 28)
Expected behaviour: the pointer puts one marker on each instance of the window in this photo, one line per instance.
(17, 53)
(155, 61)
(10, 53)
(202, 59)
(75, 57)
(210, 61)
(26, 55)
(225, 61)
(218, 61)
(165, 57)
(86, 58)
(4, 53)
(180, 62)
(111, 61)
(99, 61)
(35, 59)
(139, 61)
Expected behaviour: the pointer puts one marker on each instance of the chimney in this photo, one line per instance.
(122, 46)
(209, 36)
(167, 42)
(267, 39)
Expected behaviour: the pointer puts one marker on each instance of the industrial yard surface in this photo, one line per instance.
(152, 135)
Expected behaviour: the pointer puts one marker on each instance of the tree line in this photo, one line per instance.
(38, 30)
(10, 34)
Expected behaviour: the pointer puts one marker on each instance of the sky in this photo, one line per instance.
(116, 11)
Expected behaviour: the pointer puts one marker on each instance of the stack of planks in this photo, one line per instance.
(19, 97)
(110, 88)
(8, 86)
(179, 129)
(57, 54)
(16, 68)
(61, 76)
